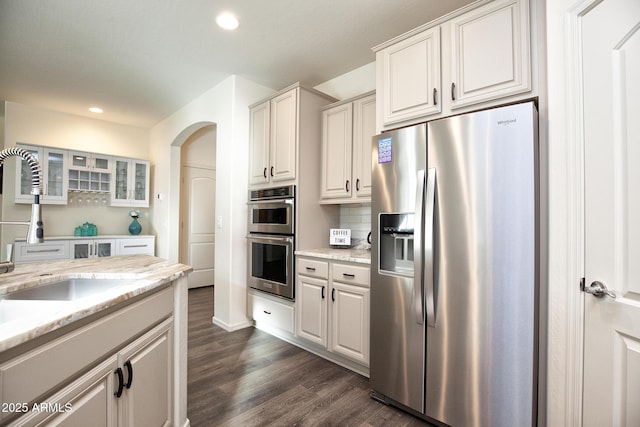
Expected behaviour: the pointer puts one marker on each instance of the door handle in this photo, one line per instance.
(418, 281)
(127, 365)
(598, 290)
(429, 229)
(118, 373)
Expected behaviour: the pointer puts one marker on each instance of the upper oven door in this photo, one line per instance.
(271, 216)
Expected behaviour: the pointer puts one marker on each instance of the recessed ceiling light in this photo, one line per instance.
(96, 110)
(227, 20)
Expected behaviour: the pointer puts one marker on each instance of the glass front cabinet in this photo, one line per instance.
(92, 248)
(54, 163)
(131, 183)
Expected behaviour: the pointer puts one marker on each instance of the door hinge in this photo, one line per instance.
(582, 284)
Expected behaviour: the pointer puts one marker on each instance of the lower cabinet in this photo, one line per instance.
(333, 307)
(131, 386)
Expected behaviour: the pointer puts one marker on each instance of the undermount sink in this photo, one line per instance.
(67, 290)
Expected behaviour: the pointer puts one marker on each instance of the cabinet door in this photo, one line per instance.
(54, 176)
(311, 301)
(364, 129)
(120, 191)
(147, 370)
(88, 401)
(410, 77)
(140, 183)
(350, 322)
(337, 125)
(283, 136)
(259, 144)
(490, 53)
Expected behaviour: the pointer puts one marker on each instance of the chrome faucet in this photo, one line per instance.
(35, 234)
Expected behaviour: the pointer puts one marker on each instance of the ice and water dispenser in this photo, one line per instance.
(396, 243)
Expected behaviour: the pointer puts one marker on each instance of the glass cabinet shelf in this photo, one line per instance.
(84, 180)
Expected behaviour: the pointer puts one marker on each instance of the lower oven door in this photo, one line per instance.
(271, 264)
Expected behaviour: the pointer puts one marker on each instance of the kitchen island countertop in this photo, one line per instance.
(145, 272)
(360, 256)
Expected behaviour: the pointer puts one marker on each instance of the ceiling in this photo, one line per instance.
(142, 60)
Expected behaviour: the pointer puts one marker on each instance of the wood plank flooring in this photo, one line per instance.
(249, 378)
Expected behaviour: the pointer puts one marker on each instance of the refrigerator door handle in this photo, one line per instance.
(418, 299)
(429, 247)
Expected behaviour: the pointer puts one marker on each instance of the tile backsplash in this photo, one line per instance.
(358, 219)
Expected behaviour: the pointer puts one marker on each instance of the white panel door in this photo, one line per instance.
(364, 129)
(284, 136)
(336, 151)
(259, 144)
(611, 91)
(311, 306)
(199, 224)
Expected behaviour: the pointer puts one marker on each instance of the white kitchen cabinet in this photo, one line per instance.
(135, 246)
(54, 164)
(259, 169)
(347, 129)
(92, 248)
(409, 77)
(483, 53)
(130, 183)
(86, 369)
(281, 130)
(312, 309)
(271, 314)
(47, 251)
(147, 387)
(332, 306)
(90, 172)
(350, 312)
(273, 139)
(490, 53)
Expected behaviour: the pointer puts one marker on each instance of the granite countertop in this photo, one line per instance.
(145, 272)
(361, 256)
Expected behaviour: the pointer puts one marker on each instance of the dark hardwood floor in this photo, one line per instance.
(249, 378)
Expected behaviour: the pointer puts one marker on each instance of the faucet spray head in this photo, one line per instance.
(35, 234)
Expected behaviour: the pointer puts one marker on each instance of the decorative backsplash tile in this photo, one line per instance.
(358, 219)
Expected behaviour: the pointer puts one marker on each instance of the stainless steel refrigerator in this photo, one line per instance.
(454, 268)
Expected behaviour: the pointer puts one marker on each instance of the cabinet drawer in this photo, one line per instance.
(144, 246)
(350, 274)
(313, 268)
(271, 314)
(25, 252)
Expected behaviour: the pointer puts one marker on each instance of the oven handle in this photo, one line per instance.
(270, 201)
(286, 239)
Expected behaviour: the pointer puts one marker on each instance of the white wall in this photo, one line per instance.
(226, 106)
(31, 125)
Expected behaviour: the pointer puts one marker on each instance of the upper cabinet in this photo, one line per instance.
(409, 77)
(131, 183)
(90, 172)
(274, 134)
(484, 54)
(490, 53)
(347, 129)
(54, 164)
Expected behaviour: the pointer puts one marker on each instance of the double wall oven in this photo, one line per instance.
(271, 240)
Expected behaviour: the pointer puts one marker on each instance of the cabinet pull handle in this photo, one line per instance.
(358, 184)
(349, 275)
(127, 365)
(435, 96)
(323, 292)
(42, 251)
(266, 312)
(265, 172)
(453, 91)
(333, 294)
(118, 372)
(346, 186)
(271, 170)
(310, 268)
